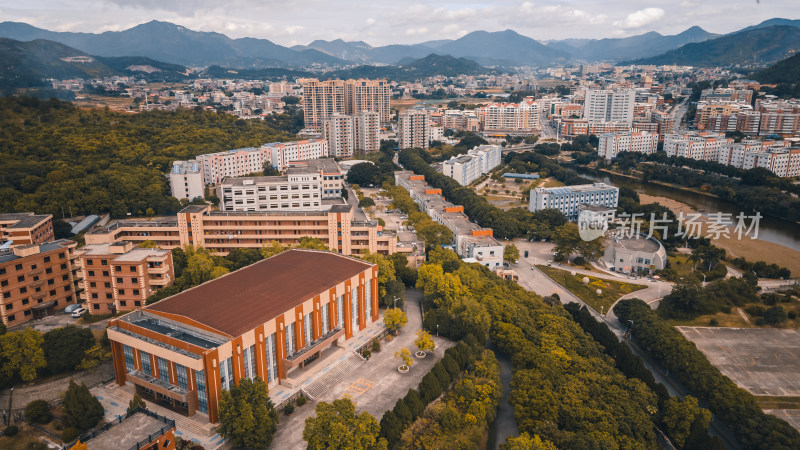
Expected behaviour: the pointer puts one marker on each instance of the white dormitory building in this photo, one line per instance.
(522, 117)
(186, 180)
(602, 105)
(414, 128)
(314, 185)
(695, 145)
(469, 167)
(348, 135)
(568, 199)
(471, 242)
(610, 144)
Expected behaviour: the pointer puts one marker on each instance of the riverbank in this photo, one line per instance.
(636, 179)
(750, 249)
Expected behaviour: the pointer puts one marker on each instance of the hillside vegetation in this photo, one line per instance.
(95, 161)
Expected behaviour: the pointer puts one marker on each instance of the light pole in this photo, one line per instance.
(395, 301)
(10, 396)
(437, 330)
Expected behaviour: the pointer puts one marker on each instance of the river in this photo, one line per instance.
(504, 424)
(770, 229)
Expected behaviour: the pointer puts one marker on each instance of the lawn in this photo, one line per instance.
(19, 441)
(611, 290)
(681, 264)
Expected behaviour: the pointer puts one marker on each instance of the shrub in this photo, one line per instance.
(36, 446)
(288, 409)
(11, 430)
(38, 411)
(713, 322)
(774, 315)
(755, 310)
(376, 346)
(81, 409)
(389, 338)
(792, 315)
(301, 400)
(366, 353)
(69, 434)
(579, 261)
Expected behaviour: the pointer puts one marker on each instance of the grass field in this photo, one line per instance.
(770, 402)
(20, 441)
(611, 290)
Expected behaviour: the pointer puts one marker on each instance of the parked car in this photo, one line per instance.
(78, 313)
(71, 308)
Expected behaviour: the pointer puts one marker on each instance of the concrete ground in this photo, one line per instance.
(376, 386)
(764, 361)
(58, 320)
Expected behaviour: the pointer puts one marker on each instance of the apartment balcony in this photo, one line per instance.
(158, 269)
(159, 281)
(36, 272)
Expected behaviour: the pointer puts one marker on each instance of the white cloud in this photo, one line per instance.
(419, 31)
(641, 18)
(370, 21)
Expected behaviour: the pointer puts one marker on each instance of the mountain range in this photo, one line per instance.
(162, 41)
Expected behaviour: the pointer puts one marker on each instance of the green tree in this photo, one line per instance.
(81, 409)
(510, 253)
(774, 315)
(526, 442)
(364, 174)
(64, 347)
(337, 426)
(386, 272)
(394, 319)
(148, 244)
(366, 202)
(567, 240)
(677, 416)
(391, 427)
(414, 403)
(21, 354)
(312, 243)
(434, 234)
(272, 249)
(246, 415)
(38, 411)
(424, 341)
(136, 402)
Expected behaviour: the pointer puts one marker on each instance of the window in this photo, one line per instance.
(23, 290)
(64, 267)
(135, 292)
(202, 397)
(48, 270)
(290, 343)
(121, 291)
(118, 268)
(354, 308)
(137, 303)
(340, 311)
(326, 318)
(103, 262)
(123, 303)
(51, 282)
(18, 267)
(21, 278)
(368, 301)
(272, 361)
(25, 301)
(47, 259)
(91, 273)
(225, 374)
(105, 273)
(308, 328)
(11, 318)
(163, 369)
(4, 283)
(144, 359)
(94, 295)
(2, 271)
(92, 284)
(129, 365)
(180, 377)
(109, 296)
(249, 363)
(119, 280)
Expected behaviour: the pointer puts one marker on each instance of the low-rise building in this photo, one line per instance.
(26, 228)
(36, 280)
(634, 254)
(568, 199)
(119, 276)
(267, 320)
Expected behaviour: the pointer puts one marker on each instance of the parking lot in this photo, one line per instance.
(764, 361)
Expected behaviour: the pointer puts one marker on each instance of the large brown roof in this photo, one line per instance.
(253, 295)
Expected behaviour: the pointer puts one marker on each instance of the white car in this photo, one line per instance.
(71, 308)
(79, 312)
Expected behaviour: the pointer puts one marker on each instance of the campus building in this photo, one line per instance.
(518, 118)
(265, 320)
(322, 99)
(25, 228)
(186, 180)
(609, 105)
(307, 186)
(568, 199)
(142, 429)
(469, 167)
(344, 228)
(119, 276)
(348, 135)
(695, 145)
(634, 254)
(36, 280)
(610, 144)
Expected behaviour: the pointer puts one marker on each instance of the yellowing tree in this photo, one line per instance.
(394, 319)
(272, 249)
(424, 341)
(337, 426)
(21, 354)
(312, 243)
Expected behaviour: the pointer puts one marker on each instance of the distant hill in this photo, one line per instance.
(165, 41)
(430, 65)
(362, 52)
(640, 46)
(28, 64)
(754, 46)
(150, 69)
(786, 71)
(505, 48)
(773, 23)
(269, 73)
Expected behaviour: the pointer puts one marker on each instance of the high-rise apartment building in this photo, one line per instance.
(322, 99)
(36, 280)
(522, 117)
(119, 276)
(414, 128)
(348, 135)
(602, 105)
(610, 144)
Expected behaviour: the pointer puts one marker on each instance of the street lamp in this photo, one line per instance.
(395, 301)
(437, 330)
(10, 396)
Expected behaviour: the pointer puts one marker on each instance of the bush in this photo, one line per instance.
(774, 315)
(69, 434)
(792, 315)
(38, 411)
(37, 446)
(366, 353)
(376, 346)
(755, 310)
(579, 261)
(713, 322)
(301, 400)
(11, 430)
(288, 409)
(82, 410)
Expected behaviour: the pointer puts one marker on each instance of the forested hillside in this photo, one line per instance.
(56, 155)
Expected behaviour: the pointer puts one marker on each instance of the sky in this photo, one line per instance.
(382, 22)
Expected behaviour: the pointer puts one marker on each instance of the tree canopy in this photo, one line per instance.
(337, 426)
(246, 415)
(81, 409)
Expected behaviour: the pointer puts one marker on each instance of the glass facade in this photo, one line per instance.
(129, 364)
(163, 369)
(326, 318)
(290, 343)
(250, 363)
(226, 374)
(144, 358)
(368, 301)
(354, 307)
(180, 377)
(272, 358)
(308, 328)
(340, 311)
(202, 397)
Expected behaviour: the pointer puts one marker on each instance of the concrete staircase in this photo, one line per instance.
(348, 365)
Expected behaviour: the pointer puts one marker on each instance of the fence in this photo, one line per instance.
(17, 415)
(169, 424)
(368, 344)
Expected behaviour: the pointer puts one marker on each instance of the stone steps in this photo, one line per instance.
(350, 364)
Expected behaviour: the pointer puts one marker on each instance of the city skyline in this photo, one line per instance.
(378, 23)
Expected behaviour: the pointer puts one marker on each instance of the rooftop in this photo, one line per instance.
(324, 165)
(638, 243)
(7, 255)
(240, 301)
(130, 431)
(576, 188)
(23, 220)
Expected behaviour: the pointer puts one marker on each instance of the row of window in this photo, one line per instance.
(18, 267)
(27, 312)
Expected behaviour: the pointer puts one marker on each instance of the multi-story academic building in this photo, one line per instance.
(612, 143)
(26, 228)
(467, 168)
(266, 320)
(36, 280)
(344, 228)
(695, 145)
(322, 99)
(120, 276)
(186, 180)
(568, 199)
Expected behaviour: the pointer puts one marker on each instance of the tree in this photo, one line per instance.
(64, 347)
(429, 387)
(386, 273)
(391, 427)
(246, 415)
(414, 403)
(337, 426)
(364, 174)
(525, 442)
(567, 240)
(21, 354)
(510, 253)
(677, 416)
(38, 411)
(312, 243)
(774, 315)
(135, 403)
(434, 234)
(424, 341)
(404, 355)
(394, 319)
(81, 409)
(272, 249)
(270, 170)
(366, 202)
(148, 244)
